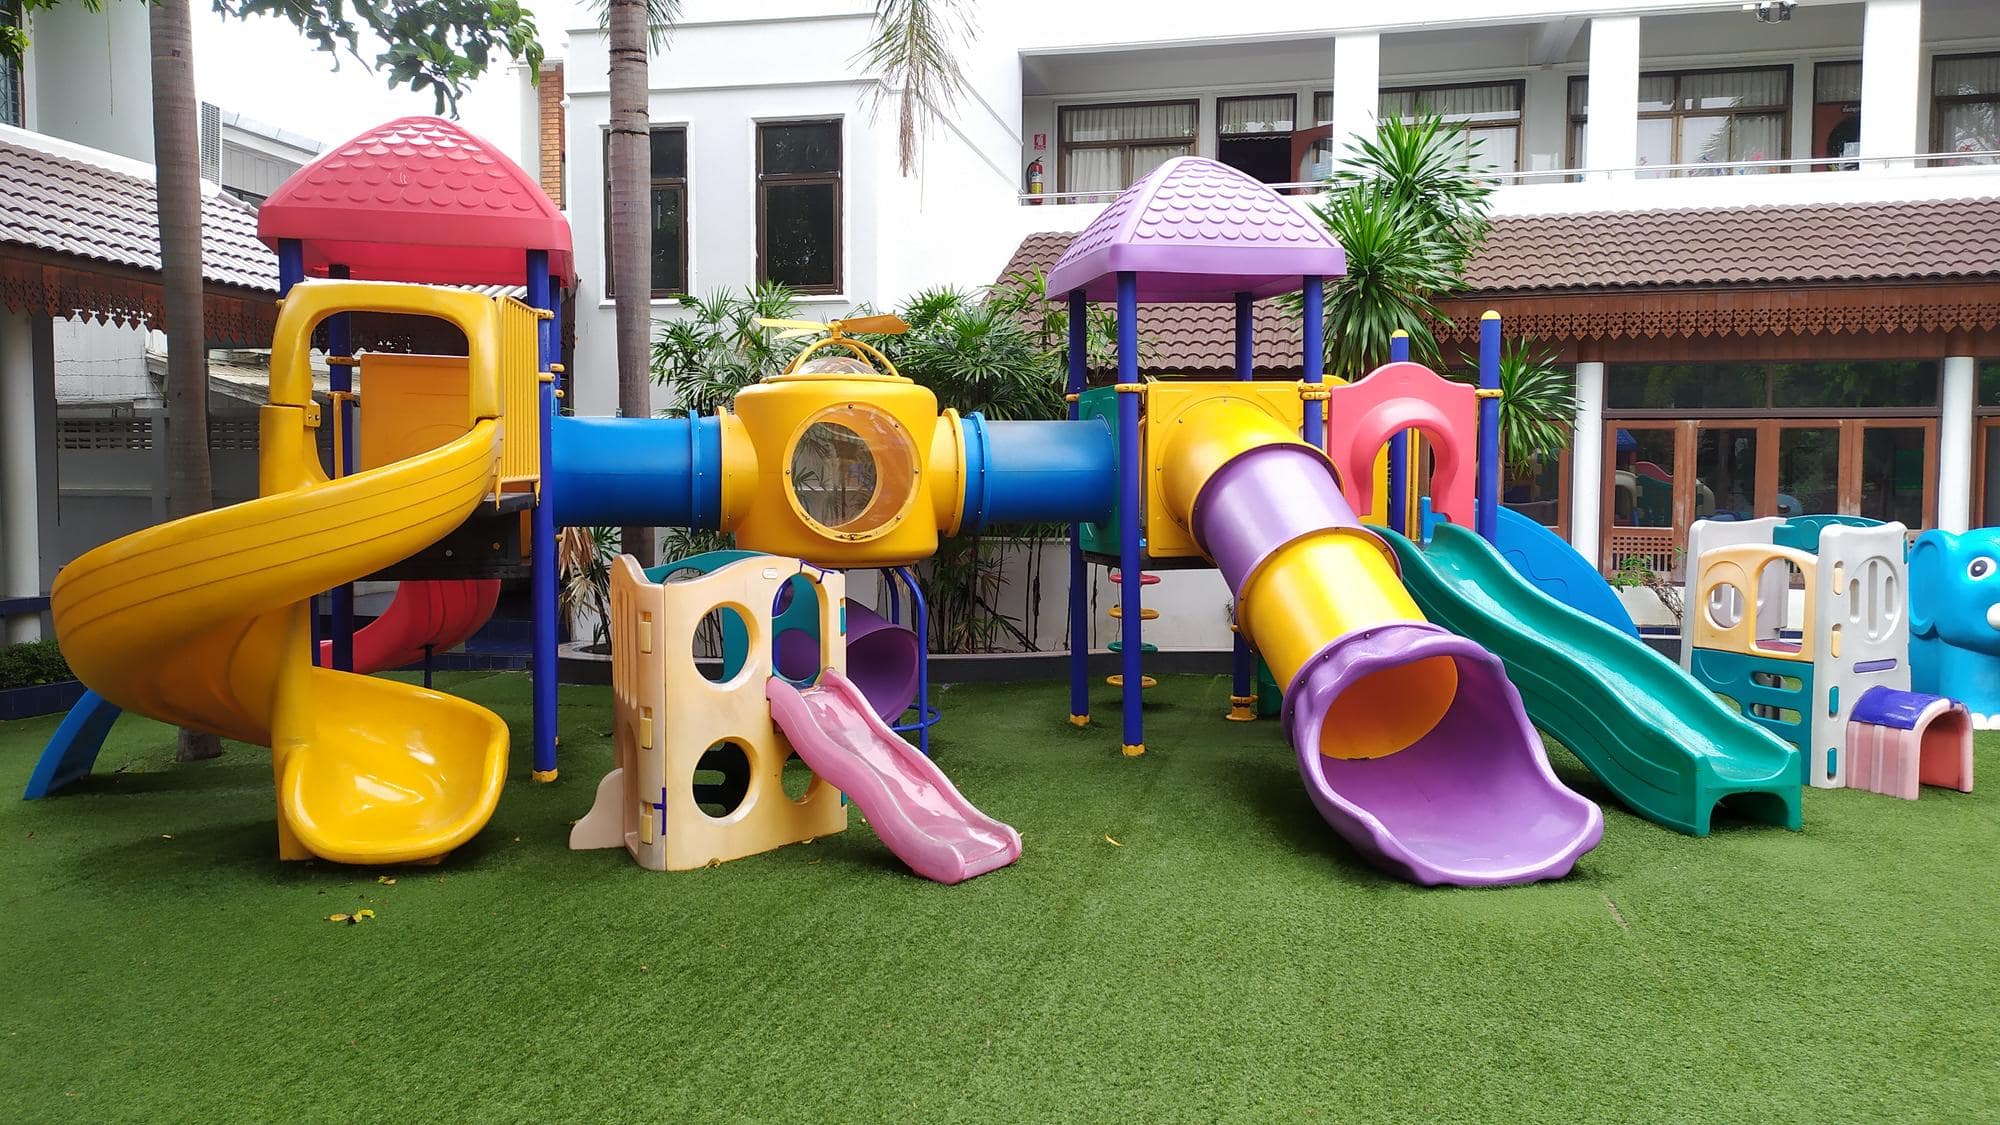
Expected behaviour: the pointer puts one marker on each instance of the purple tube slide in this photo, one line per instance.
(881, 659)
(911, 805)
(1472, 802)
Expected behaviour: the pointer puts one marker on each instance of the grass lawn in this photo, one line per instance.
(1226, 958)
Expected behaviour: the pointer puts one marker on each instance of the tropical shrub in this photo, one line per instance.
(31, 663)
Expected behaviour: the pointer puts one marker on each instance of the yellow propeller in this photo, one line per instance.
(886, 324)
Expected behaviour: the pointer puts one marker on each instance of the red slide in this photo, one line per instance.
(433, 615)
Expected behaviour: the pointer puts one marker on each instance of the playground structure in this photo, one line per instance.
(1415, 661)
(1834, 682)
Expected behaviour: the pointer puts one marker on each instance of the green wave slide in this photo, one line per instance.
(1666, 747)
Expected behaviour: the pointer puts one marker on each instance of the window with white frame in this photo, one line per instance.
(1488, 112)
(1722, 117)
(1108, 147)
(1965, 107)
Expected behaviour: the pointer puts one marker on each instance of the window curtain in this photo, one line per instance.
(1253, 116)
(1092, 169)
(1837, 82)
(1978, 74)
(1455, 104)
(1733, 89)
(1127, 122)
(1323, 109)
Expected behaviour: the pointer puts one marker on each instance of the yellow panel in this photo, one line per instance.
(410, 404)
(520, 395)
(654, 673)
(1164, 408)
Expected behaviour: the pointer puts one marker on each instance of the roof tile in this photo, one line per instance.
(63, 205)
(1771, 245)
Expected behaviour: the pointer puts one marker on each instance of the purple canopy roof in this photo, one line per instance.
(1197, 230)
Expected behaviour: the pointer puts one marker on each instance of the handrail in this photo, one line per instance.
(1983, 157)
(308, 303)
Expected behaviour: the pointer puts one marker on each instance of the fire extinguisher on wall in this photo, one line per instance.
(1035, 177)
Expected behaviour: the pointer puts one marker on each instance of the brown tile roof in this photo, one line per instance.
(1751, 246)
(1820, 243)
(63, 205)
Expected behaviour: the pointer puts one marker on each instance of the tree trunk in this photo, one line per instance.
(177, 158)
(631, 227)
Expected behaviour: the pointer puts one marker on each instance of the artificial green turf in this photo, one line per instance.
(1227, 958)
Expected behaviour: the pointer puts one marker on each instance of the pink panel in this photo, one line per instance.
(1363, 416)
(1882, 760)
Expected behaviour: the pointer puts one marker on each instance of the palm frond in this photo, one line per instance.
(913, 55)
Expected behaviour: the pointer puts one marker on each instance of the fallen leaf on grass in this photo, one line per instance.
(1113, 842)
(164, 836)
(362, 915)
(385, 880)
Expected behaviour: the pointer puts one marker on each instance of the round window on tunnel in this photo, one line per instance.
(852, 471)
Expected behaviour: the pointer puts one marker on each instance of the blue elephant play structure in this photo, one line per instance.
(1955, 619)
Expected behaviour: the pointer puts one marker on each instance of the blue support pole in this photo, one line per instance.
(1399, 449)
(1315, 360)
(1129, 474)
(542, 547)
(340, 380)
(1079, 599)
(1243, 662)
(1486, 503)
(927, 716)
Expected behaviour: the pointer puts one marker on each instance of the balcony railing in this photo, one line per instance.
(1701, 170)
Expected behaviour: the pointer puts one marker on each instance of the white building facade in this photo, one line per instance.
(1581, 107)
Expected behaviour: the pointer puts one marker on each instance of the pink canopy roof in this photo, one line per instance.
(418, 199)
(1197, 230)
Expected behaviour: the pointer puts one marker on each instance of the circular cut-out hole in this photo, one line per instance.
(721, 779)
(797, 779)
(720, 641)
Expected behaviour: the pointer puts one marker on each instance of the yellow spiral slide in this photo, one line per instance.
(202, 622)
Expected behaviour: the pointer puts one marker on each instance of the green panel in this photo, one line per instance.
(1270, 697)
(1102, 403)
(1661, 742)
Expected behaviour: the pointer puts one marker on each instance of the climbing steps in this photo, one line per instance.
(1117, 612)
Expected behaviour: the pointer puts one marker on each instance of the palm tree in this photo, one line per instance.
(635, 26)
(1411, 211)
(914, 55)
(177, 154)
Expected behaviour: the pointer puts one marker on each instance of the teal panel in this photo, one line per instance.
(1102, 403)
(797, 608)
(1801, 533)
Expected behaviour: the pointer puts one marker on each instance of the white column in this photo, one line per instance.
(1891, 79)
(1586, 463)
(1611, 139)
(20, 509)
(1954, 490)
(1357, 88)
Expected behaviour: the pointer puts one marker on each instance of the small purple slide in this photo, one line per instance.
(912, 806)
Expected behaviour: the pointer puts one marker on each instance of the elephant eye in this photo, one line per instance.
(1979, 568)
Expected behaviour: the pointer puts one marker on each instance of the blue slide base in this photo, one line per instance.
(73, 750)
(1555, 568)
